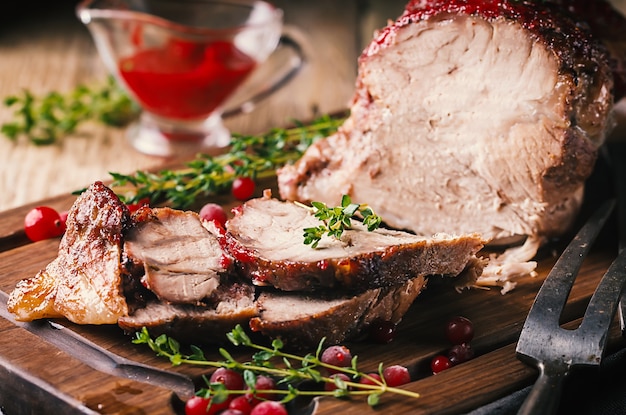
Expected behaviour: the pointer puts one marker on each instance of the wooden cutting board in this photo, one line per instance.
(36, 377)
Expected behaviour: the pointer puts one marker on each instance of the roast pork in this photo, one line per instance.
(265, 236)
(233, 304)
(300, 320)
(469, 116)
(173, 273)
(84, 282)
(180, 257)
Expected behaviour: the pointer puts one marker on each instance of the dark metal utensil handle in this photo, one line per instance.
(545, 395)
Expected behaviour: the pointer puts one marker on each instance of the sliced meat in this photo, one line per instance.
(84, 282)
(265, 236)
(180, 257)
(302, 320)
(468, 116)
(196, 324)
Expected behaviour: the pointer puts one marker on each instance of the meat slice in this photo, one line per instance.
(180, 257)
(84, 282)
(265, 236)
(302, 320)
(196, 324)
(469, 116)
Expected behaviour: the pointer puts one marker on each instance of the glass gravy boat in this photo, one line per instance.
(182, 61)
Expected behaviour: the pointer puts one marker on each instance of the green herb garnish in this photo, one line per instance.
(290, 370)
(48, 119)
(337, 219)
(254, 156)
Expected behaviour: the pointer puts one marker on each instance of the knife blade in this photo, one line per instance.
(99, 358)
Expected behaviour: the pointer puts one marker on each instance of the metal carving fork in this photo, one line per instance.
(553, 349)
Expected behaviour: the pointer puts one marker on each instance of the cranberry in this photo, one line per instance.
(243, 404)
(439, 364)
(337, 356)
(264, 383)
(243, 188)
(203, 406)
(134, 207)
(382, 331)
(459, 330)
(332, 386)
(371, 379)
(214, 212)
(396, 375)
(43, 222)
(269, 408)
(63, 216)
(460, 353)
(230, 378)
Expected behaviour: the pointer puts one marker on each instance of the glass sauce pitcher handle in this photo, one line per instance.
(296, 61)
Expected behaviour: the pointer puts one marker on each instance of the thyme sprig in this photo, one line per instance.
(48, 119)
(292, 369)
(337, 219)
(254, 156)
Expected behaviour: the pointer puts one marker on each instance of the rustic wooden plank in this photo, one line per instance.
(38, 396)
(67, 376)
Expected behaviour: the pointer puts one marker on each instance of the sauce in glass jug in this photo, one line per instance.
(185, 79)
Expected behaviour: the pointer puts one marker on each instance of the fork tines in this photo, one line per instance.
(555, 350)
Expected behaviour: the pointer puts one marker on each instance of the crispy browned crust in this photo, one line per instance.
(392, 266)
(194, 324)
(84, 282)
(608, 25)
(337, 323)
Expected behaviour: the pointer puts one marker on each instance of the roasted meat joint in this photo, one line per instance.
(474, 123)
(470, 116)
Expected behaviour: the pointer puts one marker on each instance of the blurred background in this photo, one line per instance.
(44, 48)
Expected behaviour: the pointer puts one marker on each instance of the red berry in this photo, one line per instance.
(460, 353)
(242, 403)
(203, 406)
(228, 377)
(459, 330)
(440, 363)
(230, 411)
(264, 383)
(63, 216)
(269, 408)
(332, 386)
(243, 188)
(43, 222)
(370, 380)
(134, 207)
(382, 331)
(214, 212)
(396, 375)
(337, 356)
